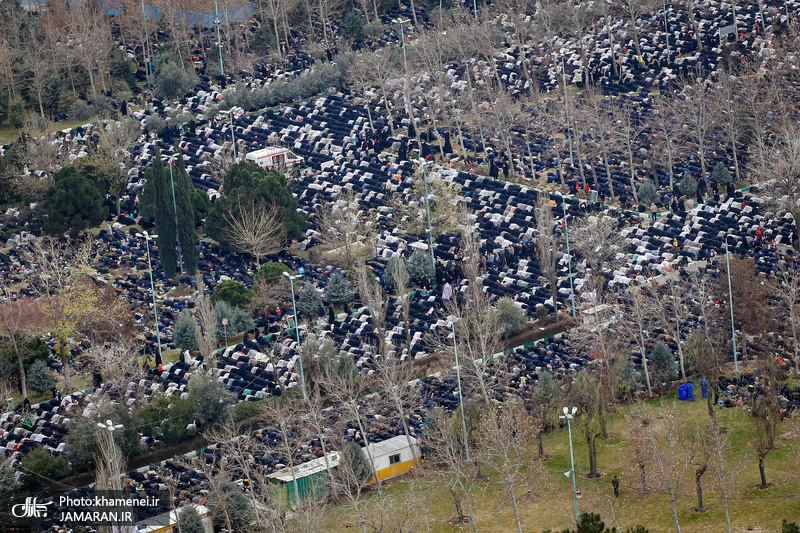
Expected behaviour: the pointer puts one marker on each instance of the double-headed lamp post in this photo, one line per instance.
(110, 427)
(147, 238)
(569, 413)
(297, 333)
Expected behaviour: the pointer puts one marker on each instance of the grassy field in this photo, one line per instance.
(546, 497)
(8, 133)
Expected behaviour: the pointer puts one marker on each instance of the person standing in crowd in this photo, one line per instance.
(615, 484)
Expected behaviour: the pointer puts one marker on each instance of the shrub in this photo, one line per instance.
(190, 520)
(234, 293)
(512, 319)
(338, 291)
(211, 398)
(185, 333)
(688, 184)
(308, 301)
(790, 527)
(238, 320)
(245, 410)
(168, 418)
(229, 504)
(420, 267)
(721, 175)
(647, 192)
(81, 440)
(271, 273)
(40, 377)
(172, 81)
(40, 467)
(663, 365)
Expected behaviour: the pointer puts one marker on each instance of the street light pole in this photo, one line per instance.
(219, 40)
(568, 416)
(460, 393)
(475, 9)
(569, 259)
(730, 299)
(175, 210)
(297, 334)
(147, 238)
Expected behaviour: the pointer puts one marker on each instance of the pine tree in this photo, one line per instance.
(721, 175)
(687, 185)
(338, 290)
(185, 328)
(647, 192)
(40, 377)
(186, 223)
(420, 267)
(663, 364)
(308, 301)
(190, 521)
(160, 194)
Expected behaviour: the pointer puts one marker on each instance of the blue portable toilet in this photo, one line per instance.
(683, 394)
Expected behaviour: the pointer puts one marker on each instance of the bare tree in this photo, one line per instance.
(505, 434)
(704, 359)
(112, 149)
(394, 377)
(547, 245)
(786, 290)
(725, 467)
(766, 414)
(17, 318)
(347, 229)
(254, 228)
(584, 394)
(447, 457)
(206, 333)
(666, 451)
(68, 296)
(118, 360)
(372, 296)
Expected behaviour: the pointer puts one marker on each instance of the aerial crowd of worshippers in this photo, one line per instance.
(632, 150)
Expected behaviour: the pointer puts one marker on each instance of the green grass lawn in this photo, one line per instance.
(8, 133)
(546, 496)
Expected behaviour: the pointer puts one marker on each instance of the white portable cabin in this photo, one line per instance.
(393, 456)
(274, 157)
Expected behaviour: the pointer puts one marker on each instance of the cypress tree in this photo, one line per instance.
(157, 175)
(186, 232)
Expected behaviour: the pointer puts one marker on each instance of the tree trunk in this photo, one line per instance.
(711, 414)
(699, 487)
(761, 472)
(23, 385)
(514, 506)
(457, 502)
(540, 444)
(674, 510)
(471, 514)
(65, 366)
(592, 459)
(117, 202)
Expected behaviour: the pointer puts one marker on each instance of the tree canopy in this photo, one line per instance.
(73, 204)
(247, 182)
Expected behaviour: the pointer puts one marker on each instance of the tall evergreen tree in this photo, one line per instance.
(186, 223)
(160, 194)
